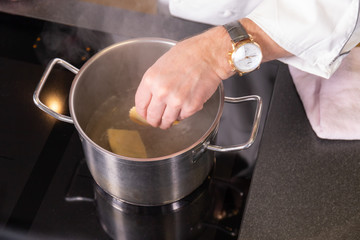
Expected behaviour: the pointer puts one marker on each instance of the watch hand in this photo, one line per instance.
(246, 57)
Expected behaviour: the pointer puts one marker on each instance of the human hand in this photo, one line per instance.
(184, 78)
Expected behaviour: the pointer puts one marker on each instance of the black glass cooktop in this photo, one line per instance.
(46, 191)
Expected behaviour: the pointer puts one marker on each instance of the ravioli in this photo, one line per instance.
(126, 143)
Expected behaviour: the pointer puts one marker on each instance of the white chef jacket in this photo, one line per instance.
(320, 33)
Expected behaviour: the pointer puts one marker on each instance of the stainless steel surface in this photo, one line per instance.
(36, 96)
(254, 130)
(117, 70)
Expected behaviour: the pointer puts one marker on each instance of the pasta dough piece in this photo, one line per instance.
(135, 117)
(126, 143)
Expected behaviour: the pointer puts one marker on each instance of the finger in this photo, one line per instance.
(142, 100)
(189, 110)
(155, 112)
(170, 115)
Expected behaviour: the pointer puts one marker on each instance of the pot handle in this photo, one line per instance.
(39, 87)
(255, 127)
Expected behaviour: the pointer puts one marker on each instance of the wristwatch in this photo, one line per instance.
(246, 54)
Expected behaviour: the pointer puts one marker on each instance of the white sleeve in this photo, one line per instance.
(212, 12)
(318, 32)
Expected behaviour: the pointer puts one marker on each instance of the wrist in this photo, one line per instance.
(220, 45)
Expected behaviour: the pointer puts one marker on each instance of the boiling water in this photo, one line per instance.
(113, 113)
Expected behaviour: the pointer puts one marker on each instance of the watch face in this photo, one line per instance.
(247, 57)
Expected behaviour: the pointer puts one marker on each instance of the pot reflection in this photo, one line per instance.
(178, 220)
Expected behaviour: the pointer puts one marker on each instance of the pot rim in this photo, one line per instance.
(93, 59)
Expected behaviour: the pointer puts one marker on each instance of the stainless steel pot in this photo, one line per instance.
(117, 71)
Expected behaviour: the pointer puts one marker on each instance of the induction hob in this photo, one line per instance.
(46, 189)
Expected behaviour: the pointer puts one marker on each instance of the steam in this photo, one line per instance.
(72, 44)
